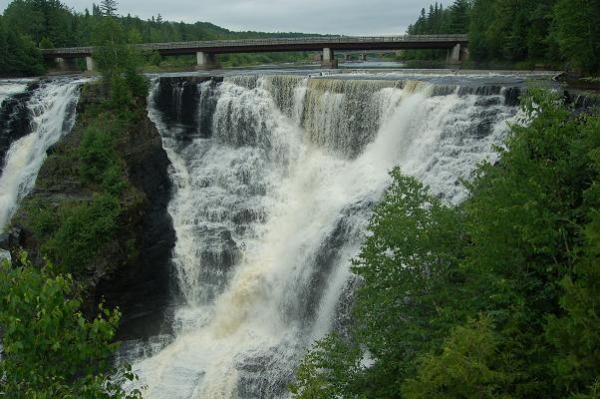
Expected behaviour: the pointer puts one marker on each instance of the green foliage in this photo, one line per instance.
(50, 349)
(578, 32)
(81, 231)
(575, 334)
(45, 22)
(519, 259)
(523, 33)
(39, 19)
(470, 366)
(452, 20)
(331, 369)
(73, 234)
(18, 55)
(108, 8)
(119, 62)
(414, 245)
(46, 43)
(100, 163)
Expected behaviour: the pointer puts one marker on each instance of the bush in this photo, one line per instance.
(83, 229)
(50, 349)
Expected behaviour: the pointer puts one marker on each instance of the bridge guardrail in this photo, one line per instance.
(273, 41)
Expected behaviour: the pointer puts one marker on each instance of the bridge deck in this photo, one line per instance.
(283, 44)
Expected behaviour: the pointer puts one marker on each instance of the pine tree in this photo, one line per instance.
(459, 17)
(108, 8)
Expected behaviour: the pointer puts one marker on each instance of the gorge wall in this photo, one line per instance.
(132, 271)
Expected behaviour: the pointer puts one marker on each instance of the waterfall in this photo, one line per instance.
(275, 178)
(11, 87)
(46, 114)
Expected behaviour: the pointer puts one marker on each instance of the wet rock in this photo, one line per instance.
(4, 240)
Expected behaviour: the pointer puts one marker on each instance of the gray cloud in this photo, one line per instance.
(352, 17)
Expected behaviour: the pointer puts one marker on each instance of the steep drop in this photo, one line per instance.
(275, 178)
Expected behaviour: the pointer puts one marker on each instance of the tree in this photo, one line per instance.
(578, 33)
(119, 62)
(331, 369)
(470, 366)
(458, 19)
(20, 55)
(108, 8)
(575, 334)
(50, 349)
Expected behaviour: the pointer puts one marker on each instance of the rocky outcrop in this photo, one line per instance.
(133, 270)
(143, 289)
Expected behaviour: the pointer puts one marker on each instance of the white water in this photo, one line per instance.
(52, 109)
(11, 87)
(271, 205)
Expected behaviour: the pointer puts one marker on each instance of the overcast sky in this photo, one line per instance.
(351, 17)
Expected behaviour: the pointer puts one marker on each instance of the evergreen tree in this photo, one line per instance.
(19, 54)
(458, 18)
(108, 8)
(578, 33)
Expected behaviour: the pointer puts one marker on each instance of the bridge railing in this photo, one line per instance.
(325, 40)
(304, 40)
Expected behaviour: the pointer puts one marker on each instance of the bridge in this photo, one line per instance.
(206, 51)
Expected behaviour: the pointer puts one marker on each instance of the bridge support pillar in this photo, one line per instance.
(348, 57)
(60, 63)
(454, 55)
(328, 61)
(90, 64)
(66, 64)
(206, 61)
(363, 57)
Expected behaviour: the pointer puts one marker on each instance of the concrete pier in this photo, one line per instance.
(90, 64)
(60, 63)
(66, 64)
(454, 55)
(328, 61)
(206, 61)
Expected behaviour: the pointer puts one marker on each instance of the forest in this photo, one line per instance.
(526, 34)
(28, 25)
(558, 34)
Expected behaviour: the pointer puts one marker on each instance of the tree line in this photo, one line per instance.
(28, 25)
(557, 33)
(551, 33)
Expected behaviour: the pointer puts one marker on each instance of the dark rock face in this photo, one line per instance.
(14, 121)
(178, 99)
(144, 288)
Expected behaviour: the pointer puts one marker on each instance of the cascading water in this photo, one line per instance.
(47, 113)
(275, 178)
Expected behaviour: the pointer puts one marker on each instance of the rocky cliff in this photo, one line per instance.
(132, 268)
